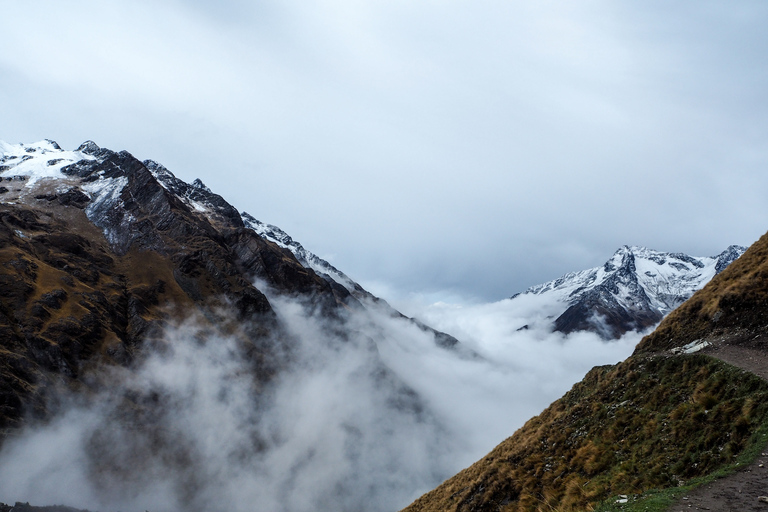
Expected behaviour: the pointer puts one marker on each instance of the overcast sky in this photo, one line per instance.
(453, 150)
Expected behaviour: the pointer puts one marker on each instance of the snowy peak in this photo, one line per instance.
(88, 147)
(633, 290)
(94, 178)
(141, 206)
(25, 165)
(198, 184)
(728, 256)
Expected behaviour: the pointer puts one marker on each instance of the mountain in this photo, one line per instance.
(306, 258)
(118, 279)
(733, 308)
(632, 291)
(638, 435)
(101, 251)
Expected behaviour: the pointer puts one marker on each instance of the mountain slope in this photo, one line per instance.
(660, 419)
(100, 253)
(633, 290)
(192, 357)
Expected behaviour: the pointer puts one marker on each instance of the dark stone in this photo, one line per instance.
(74, 197)
(54, 144)
(88, 147)
(53, 299)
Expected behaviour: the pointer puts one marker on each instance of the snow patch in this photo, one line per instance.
(37, 161)
(691, 348)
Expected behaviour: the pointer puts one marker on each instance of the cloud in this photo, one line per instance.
(191, 429)
(369, 414)
(524, 366)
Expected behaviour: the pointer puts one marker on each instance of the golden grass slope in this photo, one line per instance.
(649, 422)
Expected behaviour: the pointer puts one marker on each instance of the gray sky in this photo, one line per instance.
(453, 150)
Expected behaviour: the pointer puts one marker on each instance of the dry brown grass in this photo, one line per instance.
(645, 423)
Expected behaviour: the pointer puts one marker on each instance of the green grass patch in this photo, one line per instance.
(660, 500)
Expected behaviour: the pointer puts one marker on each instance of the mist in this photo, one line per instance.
(369, 414)
(522, 365)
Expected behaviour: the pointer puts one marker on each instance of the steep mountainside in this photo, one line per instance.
(339, 280)
(100, 252)
(664, 418)
(634, 290)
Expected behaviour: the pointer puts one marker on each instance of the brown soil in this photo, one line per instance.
(739, 491)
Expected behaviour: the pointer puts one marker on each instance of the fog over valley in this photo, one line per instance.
(334, 432)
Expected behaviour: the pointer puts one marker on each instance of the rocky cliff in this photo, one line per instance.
(100, 252)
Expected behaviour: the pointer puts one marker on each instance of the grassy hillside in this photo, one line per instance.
(649, 422)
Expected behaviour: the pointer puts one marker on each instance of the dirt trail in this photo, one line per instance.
(741, 490)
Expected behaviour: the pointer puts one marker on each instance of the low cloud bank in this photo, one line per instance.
(523, 365)
(190, 429)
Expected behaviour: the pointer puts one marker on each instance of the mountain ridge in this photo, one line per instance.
(100, 252)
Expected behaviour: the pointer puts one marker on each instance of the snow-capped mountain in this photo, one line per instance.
(110, 266)
(116, 193)
(27, 164)
(633, 290)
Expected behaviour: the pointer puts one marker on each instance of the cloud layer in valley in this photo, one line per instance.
(191, 429)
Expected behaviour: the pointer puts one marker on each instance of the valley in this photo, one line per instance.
(161, 350)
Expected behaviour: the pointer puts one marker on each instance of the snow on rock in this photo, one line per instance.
(196, 196)
(44, 171)
(633, 290)
(29, 164)
(306, 258)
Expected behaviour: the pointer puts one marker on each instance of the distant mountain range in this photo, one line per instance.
(101, 254)
(632, 291)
